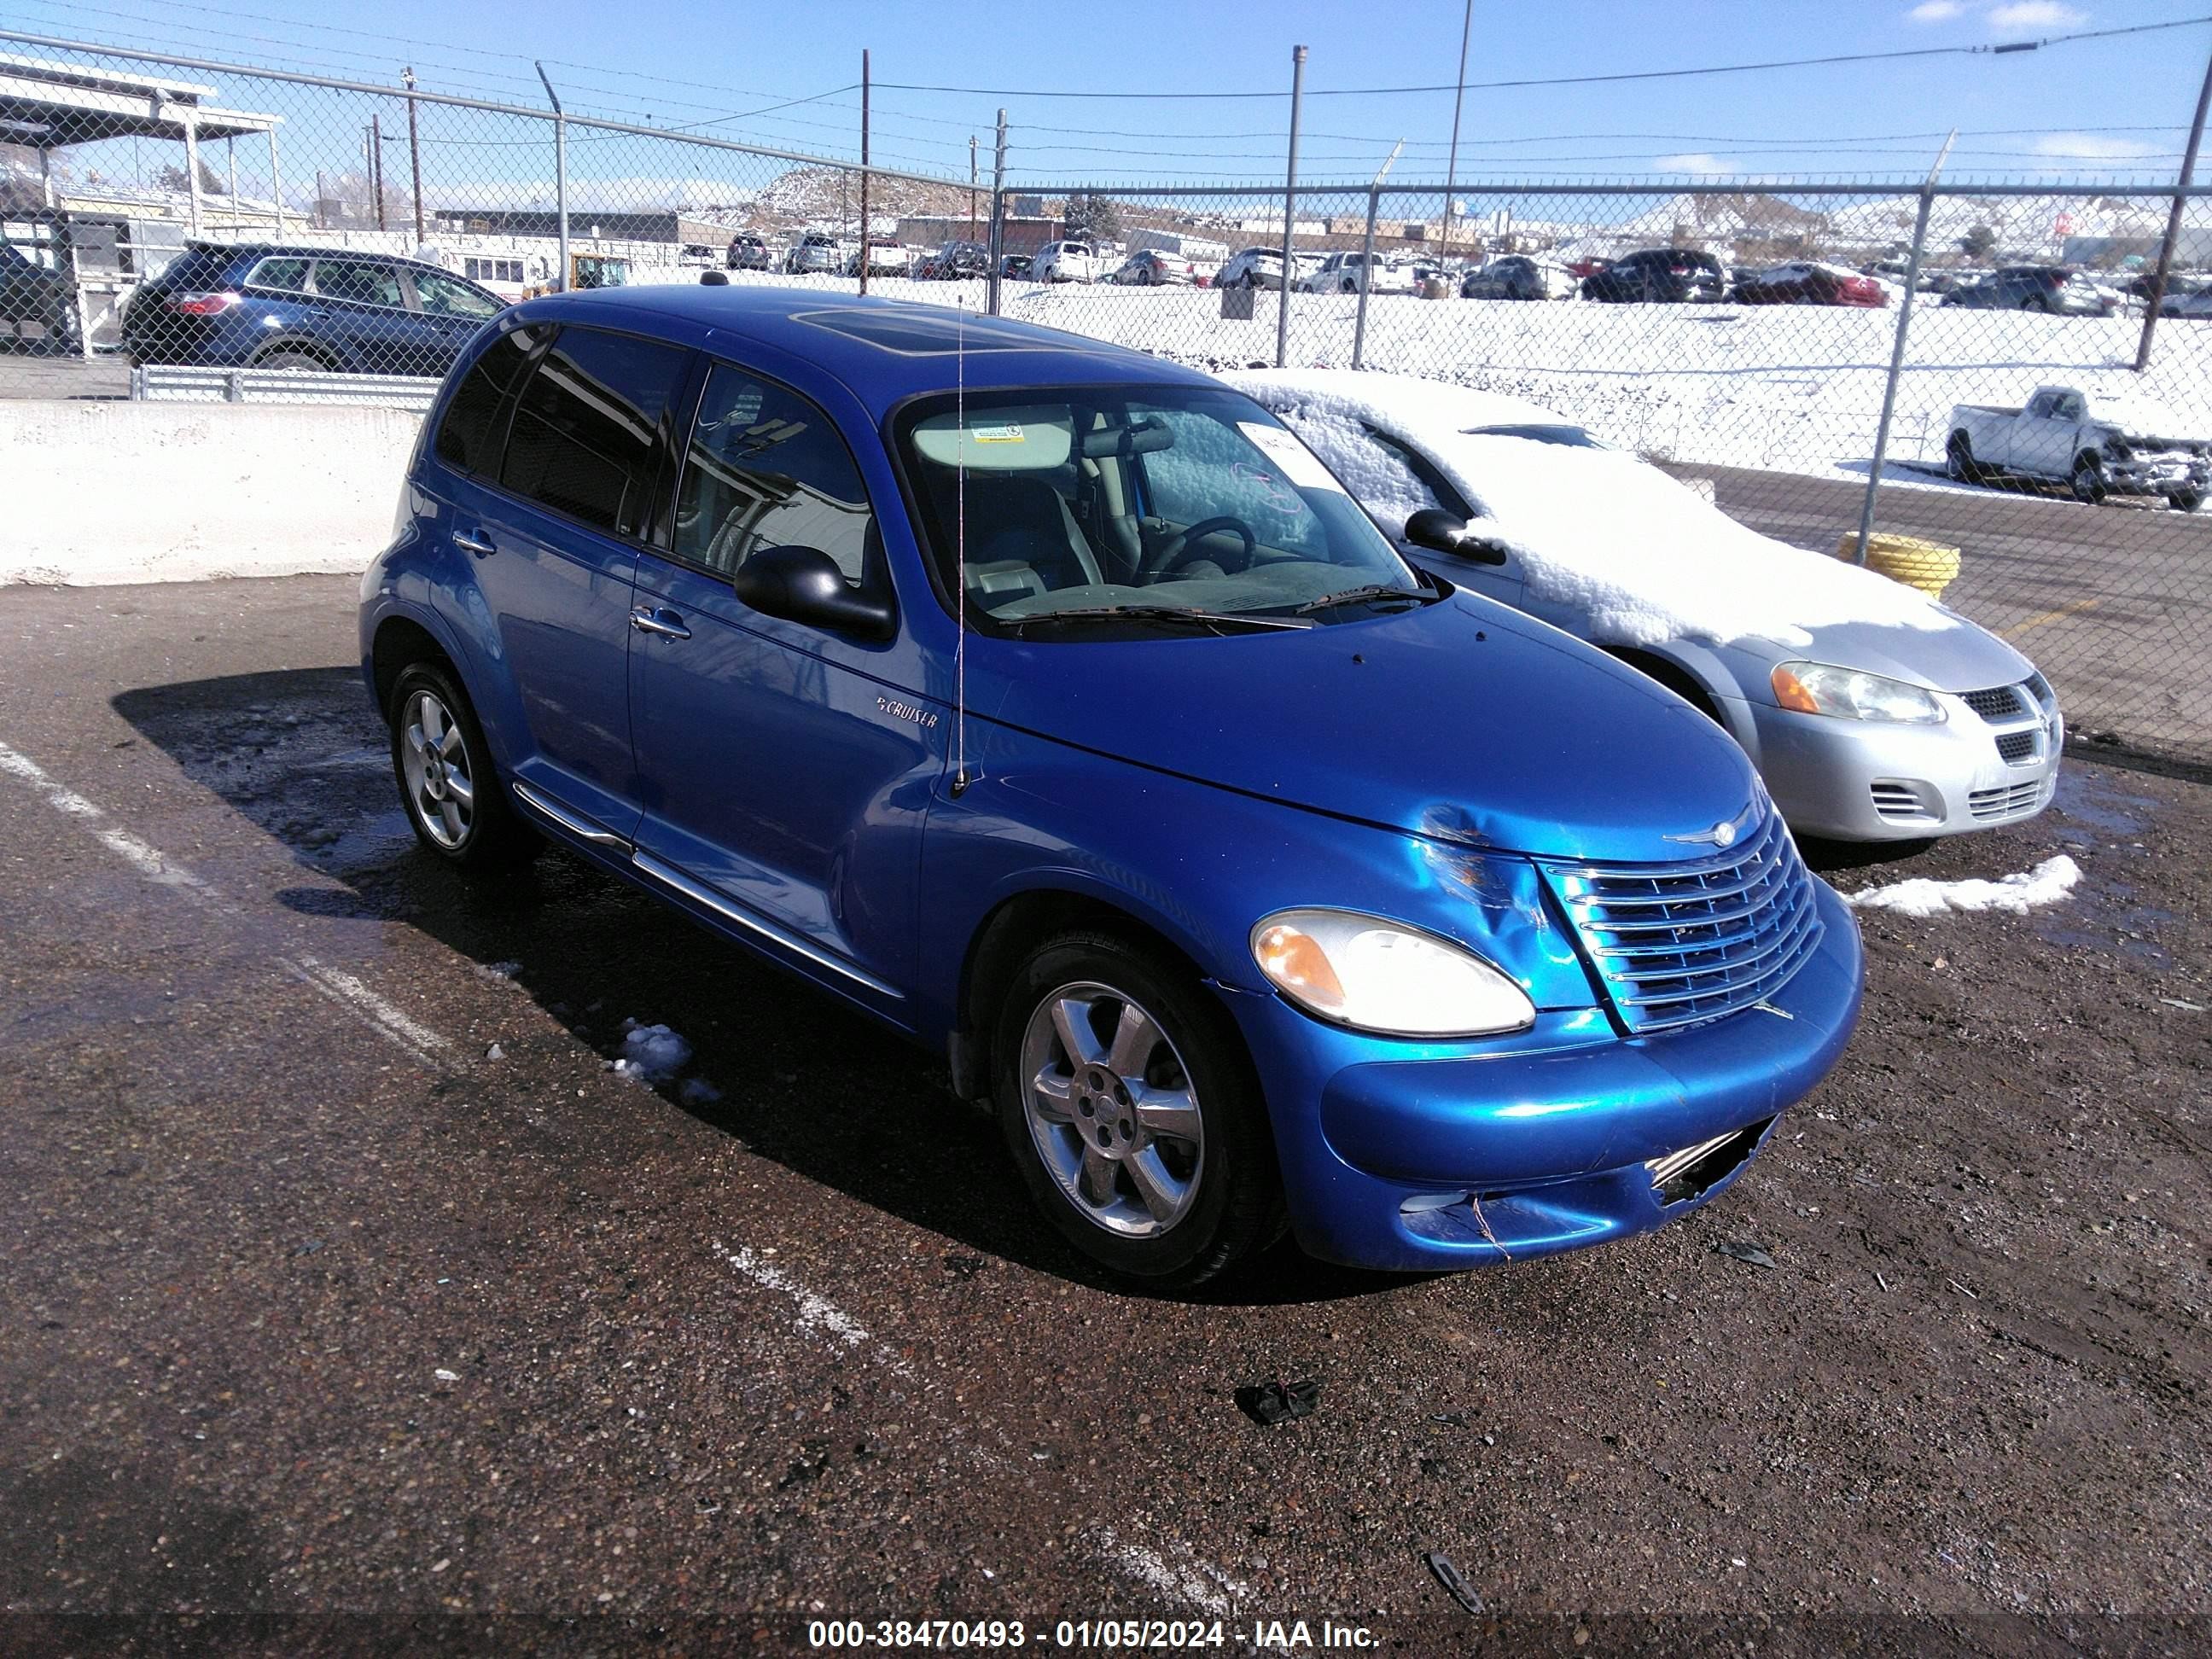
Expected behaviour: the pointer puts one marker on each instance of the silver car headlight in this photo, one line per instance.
(1385, 976)
(1815, 688)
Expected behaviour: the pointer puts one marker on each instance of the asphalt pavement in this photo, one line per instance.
(353, 1303)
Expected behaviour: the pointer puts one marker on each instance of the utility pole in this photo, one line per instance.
(998, 215)
(971, 186)
(321, 223)
(230, 159)
(376, 165)
(414, 152)
(1289, 206)
(864, 170)
(1459, 95)
(2173, 222)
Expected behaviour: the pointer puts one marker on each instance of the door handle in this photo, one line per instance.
(666, 624)
(475, 544)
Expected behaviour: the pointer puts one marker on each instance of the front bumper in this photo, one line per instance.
(1867, 780)
(1552, 1144)
(2157, 475)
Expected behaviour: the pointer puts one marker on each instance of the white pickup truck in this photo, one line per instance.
(2099, 444)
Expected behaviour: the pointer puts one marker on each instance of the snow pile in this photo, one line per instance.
(2027, 889)
(1596, 529)
(651, 1053)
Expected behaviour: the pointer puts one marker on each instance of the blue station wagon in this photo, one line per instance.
(1055, 706)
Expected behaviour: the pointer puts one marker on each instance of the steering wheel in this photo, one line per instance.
(1172, 556)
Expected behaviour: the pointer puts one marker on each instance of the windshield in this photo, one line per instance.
(1076, 500)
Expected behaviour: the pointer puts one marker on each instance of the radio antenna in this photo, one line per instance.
(960, 779)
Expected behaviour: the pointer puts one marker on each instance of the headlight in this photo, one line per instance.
(1815, 688)
(1377, 975)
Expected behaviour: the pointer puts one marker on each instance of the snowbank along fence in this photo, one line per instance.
(1725, 361)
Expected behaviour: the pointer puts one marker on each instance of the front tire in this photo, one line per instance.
(2185, 501)
(1131, 1108)
(454, 798)
(2087, 480)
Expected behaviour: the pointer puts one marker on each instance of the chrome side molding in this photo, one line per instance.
(582, 828)
(738, 916)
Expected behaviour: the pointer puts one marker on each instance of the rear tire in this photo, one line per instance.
(453, 794)
(2087, 480)
(1960, 454)
(1130, 1105)
(287, 358)
(2036, 302)
(2185, 501)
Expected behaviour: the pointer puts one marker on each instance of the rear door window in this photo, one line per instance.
(441, 297)
(360, 281)
(468, 438)
(766, 468)
(289, 276)
(586, 427)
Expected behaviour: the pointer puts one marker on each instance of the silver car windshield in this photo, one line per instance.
(1054, 501)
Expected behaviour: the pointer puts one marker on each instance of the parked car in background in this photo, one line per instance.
(1152, 267)
(817, 253)
(1587, 265)
(1808, 282)
(1516, 276)
(1065, 262)
(885, 257)
(1347, 272)
(37, 302)
(1017, 267)
(260, 306)
(2096, 443)
(1872, 712)
(2037, 288)
(746, 252)
(1665, 275)
(956, 260)
(2192, 300)
(674, 588)
(1252, 267)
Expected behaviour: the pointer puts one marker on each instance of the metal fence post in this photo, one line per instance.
(1290, 207)
(414, 152)
(1897, 350)
(1366, 276)
(2173, 224)
(998, 215)
(560, 172)
(864, 172)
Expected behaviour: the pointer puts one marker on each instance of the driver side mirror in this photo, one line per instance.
(803, 585)
(1444, 533)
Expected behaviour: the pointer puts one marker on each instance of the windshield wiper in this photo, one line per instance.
(1221, 622)
(1362, 596)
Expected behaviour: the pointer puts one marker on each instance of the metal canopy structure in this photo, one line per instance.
(46, 106)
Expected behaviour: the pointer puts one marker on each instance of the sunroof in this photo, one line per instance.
(925, 330)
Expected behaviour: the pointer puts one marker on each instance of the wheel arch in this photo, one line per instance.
(399, 640)
(1013, 928)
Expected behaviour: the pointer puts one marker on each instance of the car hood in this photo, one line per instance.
(1461, 721)
(1967, 658)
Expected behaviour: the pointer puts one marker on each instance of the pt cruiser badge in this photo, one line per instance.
(906, 711)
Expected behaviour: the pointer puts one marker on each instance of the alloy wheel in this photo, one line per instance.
(1112, 1110)
(441, 774)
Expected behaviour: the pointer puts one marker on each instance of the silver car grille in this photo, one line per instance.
(1680, 944)
(2005, 800)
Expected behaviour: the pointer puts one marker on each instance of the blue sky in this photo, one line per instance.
(2096, 108)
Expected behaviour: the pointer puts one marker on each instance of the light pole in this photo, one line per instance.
(1459, 96)
(2173, 222)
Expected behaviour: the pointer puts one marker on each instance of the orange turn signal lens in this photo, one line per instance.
(1790, 691)
(1295, 961)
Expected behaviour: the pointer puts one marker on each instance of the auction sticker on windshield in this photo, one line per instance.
(1007, 434)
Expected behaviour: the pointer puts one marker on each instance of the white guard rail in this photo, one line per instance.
(166, 384)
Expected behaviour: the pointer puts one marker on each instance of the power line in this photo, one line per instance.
(1995, 49)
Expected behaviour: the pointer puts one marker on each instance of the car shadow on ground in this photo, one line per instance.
(783, 1068)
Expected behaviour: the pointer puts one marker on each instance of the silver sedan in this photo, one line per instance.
(1873, 712)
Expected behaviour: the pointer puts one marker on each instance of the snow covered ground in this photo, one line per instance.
(1786, 388)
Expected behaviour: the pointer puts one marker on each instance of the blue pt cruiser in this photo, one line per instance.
(1055, 706)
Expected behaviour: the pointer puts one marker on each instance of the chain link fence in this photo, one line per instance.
(250, 232)
(1748, 340)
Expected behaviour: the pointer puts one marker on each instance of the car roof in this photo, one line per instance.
(882, 351)
(286, 251)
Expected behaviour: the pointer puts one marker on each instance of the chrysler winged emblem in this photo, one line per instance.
(1722, 835)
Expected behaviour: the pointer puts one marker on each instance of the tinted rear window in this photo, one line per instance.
(584, 432)
(468, 437)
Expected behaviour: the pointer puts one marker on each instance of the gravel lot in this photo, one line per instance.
(317, 1310)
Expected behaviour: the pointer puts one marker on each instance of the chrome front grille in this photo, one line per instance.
(1680, 944)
